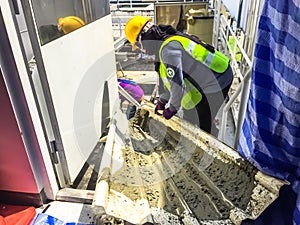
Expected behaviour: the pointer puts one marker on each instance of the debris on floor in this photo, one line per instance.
(20, 216)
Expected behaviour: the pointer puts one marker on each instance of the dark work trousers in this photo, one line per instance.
(280, 212)
(204, 113)
(130, 112)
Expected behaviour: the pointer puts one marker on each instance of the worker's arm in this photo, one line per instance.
(164, 94)
(172, 58)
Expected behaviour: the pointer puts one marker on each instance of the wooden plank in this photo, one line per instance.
(75, 195)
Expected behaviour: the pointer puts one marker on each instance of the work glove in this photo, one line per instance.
(169, 112)
(159, 106)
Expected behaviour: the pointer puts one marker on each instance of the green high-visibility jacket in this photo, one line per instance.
(215, 61)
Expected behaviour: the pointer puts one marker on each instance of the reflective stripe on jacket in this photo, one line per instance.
(215, 61)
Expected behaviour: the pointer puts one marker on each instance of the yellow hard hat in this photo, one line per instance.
(134, 27)
(70, 23)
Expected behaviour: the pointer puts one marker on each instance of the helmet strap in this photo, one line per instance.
(140, 41)
(135, 47)
(147, 26)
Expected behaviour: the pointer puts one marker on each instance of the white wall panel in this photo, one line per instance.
(77, 66)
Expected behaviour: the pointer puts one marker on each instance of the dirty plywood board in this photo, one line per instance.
(173, 168)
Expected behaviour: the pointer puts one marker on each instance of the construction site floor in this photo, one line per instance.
(142, 71)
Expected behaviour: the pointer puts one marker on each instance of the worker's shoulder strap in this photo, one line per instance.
(198, 41)
(185, 38)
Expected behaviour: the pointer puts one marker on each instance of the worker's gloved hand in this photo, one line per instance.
(169, 112)
(159, 106)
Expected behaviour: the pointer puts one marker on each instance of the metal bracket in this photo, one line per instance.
(54, 150)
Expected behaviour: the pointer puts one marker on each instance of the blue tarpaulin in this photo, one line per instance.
(270, 137)
(44, 219)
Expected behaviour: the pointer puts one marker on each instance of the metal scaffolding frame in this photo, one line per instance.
(243, 44)
(121, 11)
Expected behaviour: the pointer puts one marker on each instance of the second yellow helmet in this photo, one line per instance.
(70, 23)
(134, 27)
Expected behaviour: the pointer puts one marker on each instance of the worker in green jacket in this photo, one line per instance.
(194, 76)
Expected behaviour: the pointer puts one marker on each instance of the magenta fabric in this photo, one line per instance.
(134, 90)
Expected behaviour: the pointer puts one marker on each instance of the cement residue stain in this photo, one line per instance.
(206, 187)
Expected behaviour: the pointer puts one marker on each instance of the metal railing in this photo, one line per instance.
(122, 12)
(241, 67)
(243, 88)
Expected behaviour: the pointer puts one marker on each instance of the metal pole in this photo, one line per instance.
(11, 76)
(217, 23)
(240, 13)
(84, 11)
(242, 110)
(243, 107)
(92, 18)
(46, 89)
